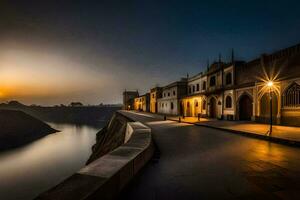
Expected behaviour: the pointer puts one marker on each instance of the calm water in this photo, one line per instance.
(25, 172)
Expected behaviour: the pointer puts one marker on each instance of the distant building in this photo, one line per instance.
(155, 93)
(128, 99)
(169, 103)
(142, 103)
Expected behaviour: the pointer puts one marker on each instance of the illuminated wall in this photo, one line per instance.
(192, 106)
(153, 102)
(137, 103)
(142, 103)
(155, 93)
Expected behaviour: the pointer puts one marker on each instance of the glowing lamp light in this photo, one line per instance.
(270, 83)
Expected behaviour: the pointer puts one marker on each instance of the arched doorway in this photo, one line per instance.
(265, 107)
(245, 108)
(181, 106)
(212, 108)
(188, 109)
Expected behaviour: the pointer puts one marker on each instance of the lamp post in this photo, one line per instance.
(270, 86)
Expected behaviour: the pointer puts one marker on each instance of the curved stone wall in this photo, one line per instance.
(105, 177)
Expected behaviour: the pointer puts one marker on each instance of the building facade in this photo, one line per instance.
(142, 103)
(211, 94)
(169, 103)
(253, 94)
(155, 93)
(238, 90)
(192, 101)
(128, 99)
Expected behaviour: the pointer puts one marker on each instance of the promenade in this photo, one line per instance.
(284, 134)
(197, 162)
(288, 134)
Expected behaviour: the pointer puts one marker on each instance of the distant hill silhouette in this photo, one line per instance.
(14, 104)
(90, 115)
(18, 128)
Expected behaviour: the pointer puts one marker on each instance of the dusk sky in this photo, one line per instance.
(53, 53)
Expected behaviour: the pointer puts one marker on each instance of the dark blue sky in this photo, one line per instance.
(137, 44)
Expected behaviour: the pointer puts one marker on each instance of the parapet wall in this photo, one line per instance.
(105, 177)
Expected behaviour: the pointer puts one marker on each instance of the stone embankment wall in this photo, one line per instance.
(105, 177)
(110, 137)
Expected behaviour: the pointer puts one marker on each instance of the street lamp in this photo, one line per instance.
(270, 86)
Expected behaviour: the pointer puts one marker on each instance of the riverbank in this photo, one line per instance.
(39, 165)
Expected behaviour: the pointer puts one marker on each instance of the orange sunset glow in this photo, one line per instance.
(34, 76)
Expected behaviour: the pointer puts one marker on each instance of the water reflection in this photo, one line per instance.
(25, 172)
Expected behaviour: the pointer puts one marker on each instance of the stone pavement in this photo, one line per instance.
(196, 162)
(283, 134)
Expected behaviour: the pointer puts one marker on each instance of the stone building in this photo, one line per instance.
(253, 93)
(155, 93)
(211, 94)
(192, 101)
(239, 90)
(220, 90)
(142, 103)
(169, 103)
(214, 91)
(128, 99)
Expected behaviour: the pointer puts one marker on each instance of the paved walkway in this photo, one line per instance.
(288, 134)
(281, 132)
(196, 162)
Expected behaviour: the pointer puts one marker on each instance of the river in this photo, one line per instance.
(27, 171)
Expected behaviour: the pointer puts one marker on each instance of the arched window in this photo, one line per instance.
(204, 105)
(228, 102)
(291, 97)
(172, 105)
(228, 78)
(196, 103)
